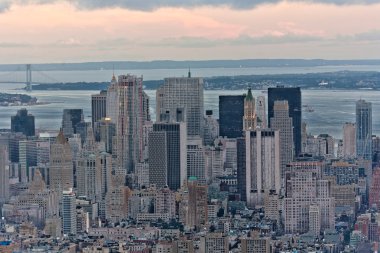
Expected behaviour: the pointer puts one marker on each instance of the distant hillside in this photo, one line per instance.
(167, 64)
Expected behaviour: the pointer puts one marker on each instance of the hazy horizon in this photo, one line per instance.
(40, 31)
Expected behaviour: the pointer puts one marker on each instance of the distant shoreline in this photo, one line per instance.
(351, 80)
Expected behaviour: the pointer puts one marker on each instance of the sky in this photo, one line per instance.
(46, 31)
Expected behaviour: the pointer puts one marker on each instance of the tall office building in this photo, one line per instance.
(282, 122)
(128, 109)
(364, 129)
(70, 119)
(98, 107)
(293, 96)
(249, 112)
(231, 113)
(211, 128)
(306, 195)
(167, 155)
(27, 158)
(111, 101)
(183, 93)
(89, 170)
(68, 213)
(349, 140)
(61, 165)
(105, 131)
(23, 122)
(196, 159)
(261, 112)
(241, 168)
(197, 215)
(262, 164)
(4, 175)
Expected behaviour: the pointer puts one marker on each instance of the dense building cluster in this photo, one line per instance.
(253, 180)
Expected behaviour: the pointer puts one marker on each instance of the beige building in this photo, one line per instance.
(61, 165)
(282, 122)
(349, 140)
(214, 243)
(255, 244)
(304, 188)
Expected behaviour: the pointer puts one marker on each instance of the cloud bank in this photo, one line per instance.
(150, 5)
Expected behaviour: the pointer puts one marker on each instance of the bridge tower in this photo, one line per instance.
(28, 77)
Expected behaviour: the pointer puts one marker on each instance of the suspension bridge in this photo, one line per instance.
(24, 76)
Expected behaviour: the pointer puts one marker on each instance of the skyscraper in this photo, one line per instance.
(211, 128)
(111, 101)
(231, 113)
(128, 108)
(306, 195)
(349, 140)
(282, 122)
(241, 168)
(262, 164)
(98, 107)
(23, 122)
(197, 215)
(70, 119)
(61, 165)
(68, 213)
(196, 159)
(293, 96)
(89, 170)
(4, 175)
(249, 112)
(261, 112)
(183, 93)
(167, 155)
(364, 129)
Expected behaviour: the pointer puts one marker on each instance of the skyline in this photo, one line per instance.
(40, 31)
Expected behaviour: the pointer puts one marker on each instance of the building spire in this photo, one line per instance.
(189, 73)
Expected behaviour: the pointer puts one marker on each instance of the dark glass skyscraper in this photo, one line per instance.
(293, 96)
(167, 155)
(70, 119)
(231, 113)
(23, 122)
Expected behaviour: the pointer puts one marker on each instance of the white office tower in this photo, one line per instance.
(304, 189)
(349, 140)
(128, 109)
(261, 114)
(182, 94)
(89, 170)
(68, 213)
(61, 165)
(249, 119)
(282, 122)
(262, 165)
(196, 159)
(4, 175)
